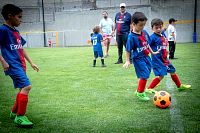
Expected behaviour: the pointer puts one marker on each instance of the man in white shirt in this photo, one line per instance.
(171, 30)
(107, 29)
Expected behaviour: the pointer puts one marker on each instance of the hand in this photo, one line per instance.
(157, 52)
(5, 66)
(127, 64)
(35, 67)
(174, 41)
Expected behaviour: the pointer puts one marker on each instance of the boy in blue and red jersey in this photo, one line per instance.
(13, 58)
(160, 62)
(96, 39)
(137, 45)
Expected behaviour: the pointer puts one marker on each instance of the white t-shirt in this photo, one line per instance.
(106, 25)
(170, 30)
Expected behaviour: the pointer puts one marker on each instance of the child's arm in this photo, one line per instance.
(127, 63)
(151, 51)
(34, 66)
(5, 65)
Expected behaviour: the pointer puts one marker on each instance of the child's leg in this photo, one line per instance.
(21, 119)
(15, 106)
(23, 100)
(94, 62)
(141, 85)
(102, 61)
(176, 79)
(155, 82)
(140, 91)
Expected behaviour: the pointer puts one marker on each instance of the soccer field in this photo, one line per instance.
(69, 95)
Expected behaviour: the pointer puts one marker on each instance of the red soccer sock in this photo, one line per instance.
(141, 85)
(22, 104)
(176, 80)
(154, 83)
(15, 106)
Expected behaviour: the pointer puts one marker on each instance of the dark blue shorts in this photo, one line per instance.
(142, 67)
(98, 54)
(19, 77)
(162, 70)
(159, 68)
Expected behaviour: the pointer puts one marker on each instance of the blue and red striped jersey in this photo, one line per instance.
(138, 44)
(123, 22)
(159, 42)
(11, 44)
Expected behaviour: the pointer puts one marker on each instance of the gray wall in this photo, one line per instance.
(75, 19)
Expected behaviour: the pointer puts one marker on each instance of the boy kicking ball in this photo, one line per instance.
(12, 58)
(137, 45)
(160, 62)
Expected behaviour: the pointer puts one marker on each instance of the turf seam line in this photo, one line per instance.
(175, 113)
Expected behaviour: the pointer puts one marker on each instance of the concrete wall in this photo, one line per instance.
(75, 21)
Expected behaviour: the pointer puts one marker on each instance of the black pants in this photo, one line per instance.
(172, 47)
(121, 41)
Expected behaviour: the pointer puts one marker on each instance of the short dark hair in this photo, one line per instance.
(138, 16)
(96, 29)
(156, 22)
(172, 20)
(10, 9)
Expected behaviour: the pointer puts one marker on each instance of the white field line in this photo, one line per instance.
(175, 113)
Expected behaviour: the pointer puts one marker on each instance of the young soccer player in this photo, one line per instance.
(96, 40)
(137, 44)
(13, 58)
(160, 62)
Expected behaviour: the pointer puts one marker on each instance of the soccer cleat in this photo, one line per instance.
(142, 96)
(12, 115)
(22, 121)
(150, 91)
(184, 87)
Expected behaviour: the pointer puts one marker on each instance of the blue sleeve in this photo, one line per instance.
(129, 44)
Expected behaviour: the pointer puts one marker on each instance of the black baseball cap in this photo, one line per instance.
(172, 20)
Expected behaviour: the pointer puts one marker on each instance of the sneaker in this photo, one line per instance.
(22, 121)
(12, 115)
(142, 96)
(184, 87)
(150, 91)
